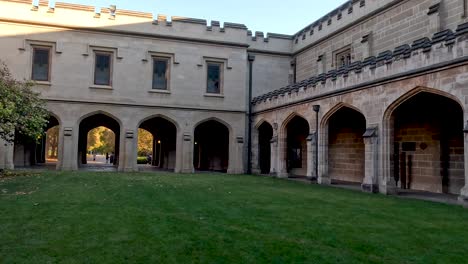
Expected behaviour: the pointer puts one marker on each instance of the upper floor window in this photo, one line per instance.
(41, 64)
(343, 58)
(214, 77)
(160, 73)
(103, 68)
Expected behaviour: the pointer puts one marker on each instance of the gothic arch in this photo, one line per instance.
(83, 117)
(410, 94)
(213, 119)
(165, 117)
(326, 117)
(436, 140)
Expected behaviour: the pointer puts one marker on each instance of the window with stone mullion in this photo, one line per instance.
(40, 70)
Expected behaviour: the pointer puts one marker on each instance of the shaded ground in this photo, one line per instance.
(86, 217)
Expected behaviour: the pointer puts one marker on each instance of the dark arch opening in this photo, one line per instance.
(297, 131)
(346, 148)
(428, 144)
(265, 134)
(27, 152)
(211, 147)
(163, 149)
(92, 122)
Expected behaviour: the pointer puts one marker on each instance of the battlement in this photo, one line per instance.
(340, 18)
(74, 16)
(443, 48)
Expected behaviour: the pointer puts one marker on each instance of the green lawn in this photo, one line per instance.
(212, 218)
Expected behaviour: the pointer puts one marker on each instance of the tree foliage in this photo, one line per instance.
(52, 142)
(21, 109)
(145, 142)
(101, 140)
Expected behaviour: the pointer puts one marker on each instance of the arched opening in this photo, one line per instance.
(159, 144)
(297, 131)
(102, 128)
(428, 148)
(44, 152)
(211, 147)
(100, 147)
(265, 134)
(346, 148)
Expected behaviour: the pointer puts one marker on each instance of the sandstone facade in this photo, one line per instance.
(387, 79)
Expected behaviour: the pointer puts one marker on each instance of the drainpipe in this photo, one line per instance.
(316, 110)
(251, 59)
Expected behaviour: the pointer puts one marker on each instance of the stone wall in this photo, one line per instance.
(399, 23)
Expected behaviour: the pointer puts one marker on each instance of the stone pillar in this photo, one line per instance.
(130, 152)
(311, 152)
(370, 183)
(366, 44)
(281, 166)
(69, 159)
(236, 164)
(6, 155)
(255, 152)
(321, 63)
(274, 156)
(434, 18)
(187, 154)
(463, 198)
(323, 177)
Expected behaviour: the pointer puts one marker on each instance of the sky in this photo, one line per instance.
(274, 16)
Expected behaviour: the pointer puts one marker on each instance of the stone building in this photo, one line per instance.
(373, 93)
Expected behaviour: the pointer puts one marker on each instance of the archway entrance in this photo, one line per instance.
(158, 143)
(265, 134)
(428, 147)
(346, 146)
(45, 152)
(297, 131)
(211, 147)
(102, 128)
(100, 147)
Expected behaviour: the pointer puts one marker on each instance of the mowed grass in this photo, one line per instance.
(60, 217)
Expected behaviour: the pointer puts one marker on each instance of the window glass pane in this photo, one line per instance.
(102, 69)
(160, 74)
(214, 73)
(40, 71)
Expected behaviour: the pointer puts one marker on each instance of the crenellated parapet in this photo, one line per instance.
(271, 42)
(443, 49)
(352, 11)
(114, 20)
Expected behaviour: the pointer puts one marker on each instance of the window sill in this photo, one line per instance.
(46, 83)
(105, 87)
(159, 91)
(214, 95)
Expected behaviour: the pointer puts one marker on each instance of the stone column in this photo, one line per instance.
(237, 166)
(187, 154)
(130, 152)
(274, 156)
(69, 153)
(321, 63)
(281, 166)
(434, 18)
(323, 177)
(463, 198)
(370, 183)
(311, 152)
(6, 155)
(255, 152)
(366, 44)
